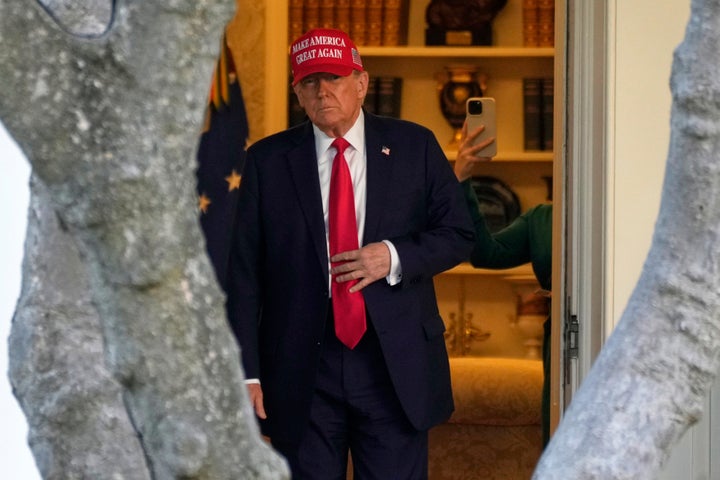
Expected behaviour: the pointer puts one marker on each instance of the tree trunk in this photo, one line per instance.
(78, 422)
(106, 99)
(648, 384)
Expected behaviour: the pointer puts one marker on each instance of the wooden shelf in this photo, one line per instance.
(512, 156)
(457, 52)
(467, 269)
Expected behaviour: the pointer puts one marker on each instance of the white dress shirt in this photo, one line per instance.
(356, 158)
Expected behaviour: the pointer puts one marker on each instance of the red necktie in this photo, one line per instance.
(348, 308)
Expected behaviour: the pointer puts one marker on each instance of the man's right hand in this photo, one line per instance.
(256, 399)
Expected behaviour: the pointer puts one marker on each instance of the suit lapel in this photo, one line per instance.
(302, 165)
(379, 179)
(303, 168)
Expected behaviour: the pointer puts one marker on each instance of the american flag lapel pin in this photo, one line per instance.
(385, 150)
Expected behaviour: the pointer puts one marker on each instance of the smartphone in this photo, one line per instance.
(481, 111)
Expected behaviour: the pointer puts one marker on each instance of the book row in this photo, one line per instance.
(538, 113)
(538, 22)
(368, 22)
(383, 96)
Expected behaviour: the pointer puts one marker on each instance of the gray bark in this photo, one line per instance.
(648, 384)
(108, 112)
(74, 406)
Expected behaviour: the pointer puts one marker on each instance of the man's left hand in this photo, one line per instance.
(368, 264)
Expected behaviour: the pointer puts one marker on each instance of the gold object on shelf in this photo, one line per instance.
(455, 85)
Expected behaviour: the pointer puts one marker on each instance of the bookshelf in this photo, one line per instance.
(506, 63)
(457, 52)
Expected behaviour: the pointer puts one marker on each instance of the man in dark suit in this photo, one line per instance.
(321, 384)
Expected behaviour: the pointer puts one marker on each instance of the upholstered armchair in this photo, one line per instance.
(495, 432)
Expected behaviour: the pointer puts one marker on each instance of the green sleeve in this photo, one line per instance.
(504, 249)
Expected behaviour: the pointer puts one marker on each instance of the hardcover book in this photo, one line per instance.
(370, 103)
(392, 31)
(547, 113)
(374, 19)
(342, 15)
(532, 113)
(531, 23)
(358, 21)
(311, 14)
(546, 23)
(327, 14)
(389, 93)
(295, 19)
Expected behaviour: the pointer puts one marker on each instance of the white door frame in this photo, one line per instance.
(580, 222)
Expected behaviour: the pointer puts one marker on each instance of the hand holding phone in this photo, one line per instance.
(481, 111)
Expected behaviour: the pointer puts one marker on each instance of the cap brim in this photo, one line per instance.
(340, 70)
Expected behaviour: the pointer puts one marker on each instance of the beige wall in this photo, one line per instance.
(645, 35)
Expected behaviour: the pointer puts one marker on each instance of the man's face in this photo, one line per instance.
(332, 102)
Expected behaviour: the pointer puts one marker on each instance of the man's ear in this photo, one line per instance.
(299, 97)
(363, 81)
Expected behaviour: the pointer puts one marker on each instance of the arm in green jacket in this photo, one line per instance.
(527, 239)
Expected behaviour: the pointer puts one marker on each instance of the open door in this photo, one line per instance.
(578, 235)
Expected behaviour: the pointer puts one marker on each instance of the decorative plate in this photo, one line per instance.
(498, 203)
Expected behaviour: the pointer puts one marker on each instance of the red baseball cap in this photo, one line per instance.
(324, 50)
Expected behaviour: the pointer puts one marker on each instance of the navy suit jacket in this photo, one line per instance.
(278, 297)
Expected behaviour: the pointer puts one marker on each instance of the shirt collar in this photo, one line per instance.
(355, 137)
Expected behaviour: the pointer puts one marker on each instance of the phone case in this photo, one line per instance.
(487, 118)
